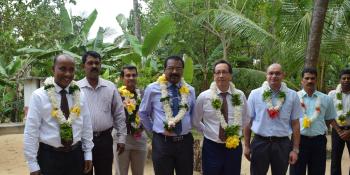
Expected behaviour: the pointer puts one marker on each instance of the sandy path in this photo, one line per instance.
(12, 159)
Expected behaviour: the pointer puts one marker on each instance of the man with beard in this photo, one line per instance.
(319, 112)
(221, 124)
(136, 140)
(58, 133)
(275, 111)
(107, 112)
(166, 110)
(341, 99)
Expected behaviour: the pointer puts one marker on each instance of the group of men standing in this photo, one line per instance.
(69, 124)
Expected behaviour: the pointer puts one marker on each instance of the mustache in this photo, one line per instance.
(94, 70)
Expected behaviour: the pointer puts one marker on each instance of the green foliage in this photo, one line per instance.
(188, 70)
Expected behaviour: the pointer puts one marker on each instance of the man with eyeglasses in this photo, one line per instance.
(136, 141)
(107, 112)
(166, 110)
(222, 124)
(274, 116)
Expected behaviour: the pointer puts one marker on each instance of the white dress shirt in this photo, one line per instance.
(205, 119)
(106, 107)
(40, 126)
(345, 103)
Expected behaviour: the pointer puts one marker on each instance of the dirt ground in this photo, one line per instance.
(12, 159)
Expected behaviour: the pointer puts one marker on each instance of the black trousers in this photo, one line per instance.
(312, 156)
(219, 160)
(169, 154)
(337, 152)
(102, 155)
(54, 162)
(266, 152)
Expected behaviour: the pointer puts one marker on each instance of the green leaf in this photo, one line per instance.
(99, 39)
(130, 57)
(66, 22)
(105, 75)
(159, 31)
(188, 70)
(134, 43)
(3, 71)
(89, 22)
(122, 21)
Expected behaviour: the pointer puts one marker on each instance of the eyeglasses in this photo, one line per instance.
(178, 69)
(223, 73)
(277, 74)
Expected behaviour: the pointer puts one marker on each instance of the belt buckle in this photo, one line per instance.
(178, 138)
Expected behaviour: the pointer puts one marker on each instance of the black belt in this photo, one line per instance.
(103, 133)
(60, 149)
(271, 138)
(344, 127)
(173, 138)
(312, 137)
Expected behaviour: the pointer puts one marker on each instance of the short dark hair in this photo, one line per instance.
(62, 54)
(223, 62)
(129, 67)
(309, 70)
(91, 53)
(344, 71)
(176, 58)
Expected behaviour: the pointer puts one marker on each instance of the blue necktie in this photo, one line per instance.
(175, 107)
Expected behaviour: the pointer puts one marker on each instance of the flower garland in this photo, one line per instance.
(267, 97)
(171, 121)
(233, 138)
(339, 106)
(307, 120)
(130, 105)
(66, 132)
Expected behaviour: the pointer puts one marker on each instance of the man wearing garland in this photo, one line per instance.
(58, 133)
(166, 110)
(341, 99)
(318, 112)
(220, 114)
(136, 141)
(107, 112)
(274, 116)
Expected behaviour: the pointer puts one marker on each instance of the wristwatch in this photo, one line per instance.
(296, 150)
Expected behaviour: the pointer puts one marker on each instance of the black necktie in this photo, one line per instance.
(224, 111)
(64, 103)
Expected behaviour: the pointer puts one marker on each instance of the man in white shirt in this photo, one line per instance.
(341, 135)
(107, 112)
(58, 133)
(220, 114)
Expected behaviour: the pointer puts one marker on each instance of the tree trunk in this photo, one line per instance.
(314, 43)
(137, 20)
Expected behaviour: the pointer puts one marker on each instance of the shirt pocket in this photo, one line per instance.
(107, 104)
(286, 111)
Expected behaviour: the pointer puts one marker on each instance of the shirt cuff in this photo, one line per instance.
(88, 155)
(34, 166)
(121, 139)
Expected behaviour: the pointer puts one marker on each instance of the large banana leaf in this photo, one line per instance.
(135, 44)
(99, 39)
(159, 31)
(122, 21)
(89, 22)
(188, 71)
(66, 22)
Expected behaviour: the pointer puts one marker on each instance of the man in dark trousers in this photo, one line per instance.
(58, 133)
(107, 112)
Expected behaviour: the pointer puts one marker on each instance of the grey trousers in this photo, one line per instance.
(135, 158)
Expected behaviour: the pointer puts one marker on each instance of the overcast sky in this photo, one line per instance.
(107, 11)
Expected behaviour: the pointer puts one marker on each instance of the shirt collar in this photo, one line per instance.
(179, 84)
(85, 83)
(228, 91)
(59, 88)
(315, 94)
